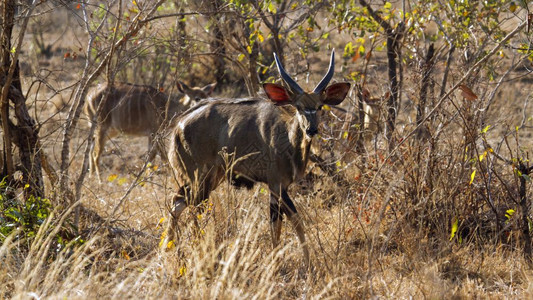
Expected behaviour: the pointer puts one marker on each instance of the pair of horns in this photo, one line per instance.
(296, 88)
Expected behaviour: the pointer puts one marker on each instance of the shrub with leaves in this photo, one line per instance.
(28, 215)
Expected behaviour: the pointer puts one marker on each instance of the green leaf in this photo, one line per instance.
(272, 8)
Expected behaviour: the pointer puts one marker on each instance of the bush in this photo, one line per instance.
(28, 215)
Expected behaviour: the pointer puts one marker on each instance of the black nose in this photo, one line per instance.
(311, 131)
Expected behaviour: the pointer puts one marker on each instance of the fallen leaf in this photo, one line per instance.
(467, 93)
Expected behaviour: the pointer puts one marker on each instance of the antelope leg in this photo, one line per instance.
(275, 219)
(290, 210)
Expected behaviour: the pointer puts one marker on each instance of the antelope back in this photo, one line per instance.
(131, 109)
(268, 139)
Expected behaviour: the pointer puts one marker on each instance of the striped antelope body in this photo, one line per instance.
(135, 110)
(269, 138)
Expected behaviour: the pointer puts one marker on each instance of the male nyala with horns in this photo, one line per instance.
(272, 138)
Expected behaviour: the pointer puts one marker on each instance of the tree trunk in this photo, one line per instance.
(524, 211)
(217, 46)
(8, 12)
(25, 134)
(392, 102)
(426, 73)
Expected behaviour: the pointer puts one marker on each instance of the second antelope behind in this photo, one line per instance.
(270, 139)
(136, 110)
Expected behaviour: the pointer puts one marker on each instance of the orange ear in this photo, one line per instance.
(277, 93)
(336, 93)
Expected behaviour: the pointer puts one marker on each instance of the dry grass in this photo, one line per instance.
(383, 231)
(230, 255)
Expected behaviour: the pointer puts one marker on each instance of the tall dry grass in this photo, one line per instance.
(358, 251)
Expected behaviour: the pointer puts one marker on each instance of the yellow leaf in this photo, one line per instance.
(199, 216)
(125, 255)
(183, 270)
(513, 7)
(326, 107)
(485, 129)
(260, 37)
(361, 49)
(482, 156)
(345, 135)
(170, 245)
(112, 177)
(454, 228)
(472, 177)
(122, 180)
(249, 49)
(162, 238)
(160, 222)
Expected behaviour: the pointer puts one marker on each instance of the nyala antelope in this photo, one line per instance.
(135, 110)
(269, 138)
